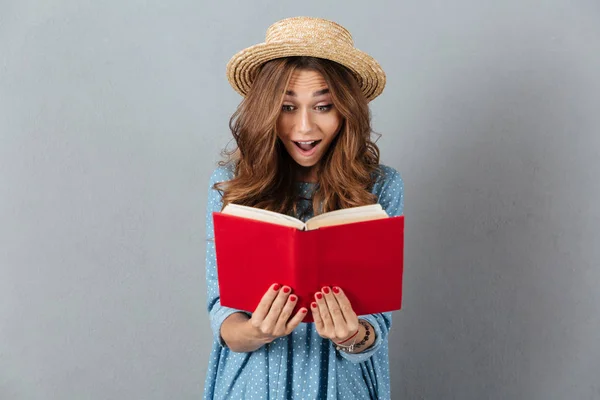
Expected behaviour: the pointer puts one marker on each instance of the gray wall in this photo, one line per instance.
(112, 115)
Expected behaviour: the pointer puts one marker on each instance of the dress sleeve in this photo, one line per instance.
(390, 191)
(217, 312)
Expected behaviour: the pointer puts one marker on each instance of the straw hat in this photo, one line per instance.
(305, 36)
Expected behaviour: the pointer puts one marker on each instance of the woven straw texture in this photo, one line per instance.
(305, 36)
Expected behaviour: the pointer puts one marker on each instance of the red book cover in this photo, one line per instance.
(365, 259)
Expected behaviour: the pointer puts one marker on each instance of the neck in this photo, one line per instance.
(306, 174)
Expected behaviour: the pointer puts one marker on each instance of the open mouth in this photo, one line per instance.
(307, 146)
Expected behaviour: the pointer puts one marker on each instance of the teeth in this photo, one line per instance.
(307, 142)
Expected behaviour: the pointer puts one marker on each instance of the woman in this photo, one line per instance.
(304, 147)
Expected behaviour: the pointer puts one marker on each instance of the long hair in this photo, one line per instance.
(265, 173)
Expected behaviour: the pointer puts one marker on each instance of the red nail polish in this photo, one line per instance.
(304, 311)
(336, 289)
(276, 287)
(326, 290)
(319, 296)
(292, 298)
(286, 290)
(313, 304)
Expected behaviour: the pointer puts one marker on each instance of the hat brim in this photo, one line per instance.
(244, 66)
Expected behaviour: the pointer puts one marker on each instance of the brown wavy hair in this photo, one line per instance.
(265, 173)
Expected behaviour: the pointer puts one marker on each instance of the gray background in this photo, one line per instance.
(112, 115)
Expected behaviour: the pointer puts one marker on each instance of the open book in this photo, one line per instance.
(359, 249)
(331, 218)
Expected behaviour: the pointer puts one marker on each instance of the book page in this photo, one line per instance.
(347, 216)
(259, 214)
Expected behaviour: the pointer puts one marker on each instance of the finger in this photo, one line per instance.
(264, 305)
(294, 322)
(276, 307)
(319, 326)
(335, 311)
(328, 327)
(347, 310)
(280, 326)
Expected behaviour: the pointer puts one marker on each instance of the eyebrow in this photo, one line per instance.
(315, 94)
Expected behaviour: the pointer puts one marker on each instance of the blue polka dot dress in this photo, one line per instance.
(302, 365)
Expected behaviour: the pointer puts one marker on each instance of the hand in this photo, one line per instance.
(333, 314)
(271, 319)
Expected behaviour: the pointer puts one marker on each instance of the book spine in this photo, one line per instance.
(306, 269)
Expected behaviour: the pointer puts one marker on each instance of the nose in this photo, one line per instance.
(304, 123)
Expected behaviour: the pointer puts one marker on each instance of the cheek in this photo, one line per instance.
(282, 126)
(332, 124)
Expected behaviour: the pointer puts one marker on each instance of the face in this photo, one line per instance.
(308, 121)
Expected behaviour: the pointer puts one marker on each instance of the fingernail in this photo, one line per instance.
(319, 296)
(336, 289)
(326, 290)
(275, 287)
(303, 310)
(286, 289)
(292, 298)
(313, 304)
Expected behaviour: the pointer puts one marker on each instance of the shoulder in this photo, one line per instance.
(215, 199)
(222, 173)
(389, 189)
(387, 177)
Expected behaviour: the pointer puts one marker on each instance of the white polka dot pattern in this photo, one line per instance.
(302, 365)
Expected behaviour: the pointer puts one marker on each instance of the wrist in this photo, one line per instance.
(359, 343)
(253, 337)
(348, 339)
(238, 334)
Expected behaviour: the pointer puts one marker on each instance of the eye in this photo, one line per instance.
(287, 108)
(324, 108)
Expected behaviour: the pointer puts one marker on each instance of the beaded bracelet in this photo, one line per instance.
(354, 345)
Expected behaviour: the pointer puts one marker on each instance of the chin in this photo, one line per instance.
(305, 164)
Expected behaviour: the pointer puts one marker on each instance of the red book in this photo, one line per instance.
(363, 257)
